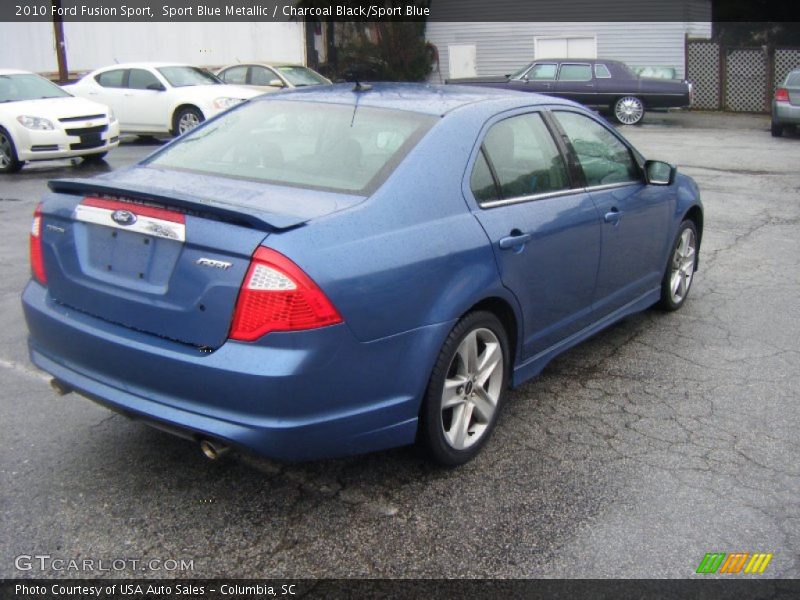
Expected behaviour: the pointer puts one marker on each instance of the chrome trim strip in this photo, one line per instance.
(145, 225)
(558, 194)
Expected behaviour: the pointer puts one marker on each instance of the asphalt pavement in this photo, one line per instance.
(661, 439)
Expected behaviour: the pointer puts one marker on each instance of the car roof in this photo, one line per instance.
(259, 63)
(421, 98)
(144, 65)
(14, 72)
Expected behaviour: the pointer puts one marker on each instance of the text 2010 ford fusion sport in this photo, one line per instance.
(340, 270)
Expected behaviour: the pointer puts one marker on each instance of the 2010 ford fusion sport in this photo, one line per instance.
(345, 269)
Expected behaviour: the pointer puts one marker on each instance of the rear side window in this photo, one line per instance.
(139, 79)
(482, 182)
(575, 73)
(314, 145)
(602, 72)
(604, 159)
(793, 78)
(111, 79)
(234, 75)
(525, 158)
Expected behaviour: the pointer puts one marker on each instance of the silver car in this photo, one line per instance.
(786, 104)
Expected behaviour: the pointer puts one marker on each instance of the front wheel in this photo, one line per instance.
(680, 270)
(629, 110)
(9, 163)
(186, 119)
(466, 390)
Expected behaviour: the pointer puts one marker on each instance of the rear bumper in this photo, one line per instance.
(784, 113)
(306, 395)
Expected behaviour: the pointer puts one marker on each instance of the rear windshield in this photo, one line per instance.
(793, 78)
(303, 144)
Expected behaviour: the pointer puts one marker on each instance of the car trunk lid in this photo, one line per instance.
(135, 251)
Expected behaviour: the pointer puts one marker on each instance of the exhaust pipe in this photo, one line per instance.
(59, 387)
(213, 450)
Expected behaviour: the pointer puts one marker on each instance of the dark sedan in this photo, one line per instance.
(602, 84)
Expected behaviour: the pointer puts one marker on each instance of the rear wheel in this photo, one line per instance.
(775, 129)
(186, 119)
(680, 270)
(466, 390)
(629, 110)
(9, 163)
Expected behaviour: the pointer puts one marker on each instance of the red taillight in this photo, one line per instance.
(781, 95)
(37, 261)
(278, 296)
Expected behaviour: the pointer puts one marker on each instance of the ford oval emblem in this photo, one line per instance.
(123, 217)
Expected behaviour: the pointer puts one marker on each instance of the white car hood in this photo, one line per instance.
(55, 108)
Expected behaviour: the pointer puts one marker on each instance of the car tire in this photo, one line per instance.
(680, 269)
(459, 410)
(628, 110)
(775, 129)
(186, 119)
(9, 163)
(95, 157)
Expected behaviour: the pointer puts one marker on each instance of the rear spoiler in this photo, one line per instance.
(252, 217)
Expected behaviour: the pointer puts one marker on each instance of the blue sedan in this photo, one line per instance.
(340, 270)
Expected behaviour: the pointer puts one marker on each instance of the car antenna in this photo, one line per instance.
(358, 88)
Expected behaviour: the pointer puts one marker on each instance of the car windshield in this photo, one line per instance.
(301, 76)
(27, 86)
(518, 74)
(302, 144)
(188, 76)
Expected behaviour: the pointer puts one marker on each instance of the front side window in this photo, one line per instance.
(234, 75)
(525, 158)
(140, 79)
(575, 73)
(302, 144)
(602, 156)
(543, 72)
(111, 79)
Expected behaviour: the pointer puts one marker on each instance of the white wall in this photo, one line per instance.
(504, 47)
(30, 46)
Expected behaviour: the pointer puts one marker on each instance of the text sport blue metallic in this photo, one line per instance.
(344, 269)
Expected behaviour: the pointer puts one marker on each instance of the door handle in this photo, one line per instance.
(515, 240)
(613, 216)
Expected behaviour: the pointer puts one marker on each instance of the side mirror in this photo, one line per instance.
(157, 87)
(275, 83)
(657, 172)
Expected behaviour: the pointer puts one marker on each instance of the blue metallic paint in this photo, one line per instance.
(400, 266)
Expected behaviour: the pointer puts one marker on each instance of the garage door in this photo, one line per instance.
(565, 47)
(462, 60)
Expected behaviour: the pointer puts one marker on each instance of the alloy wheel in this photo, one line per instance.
(683, 261)
(472, 388)
(629, 110)
(187, 122)
(5, 151)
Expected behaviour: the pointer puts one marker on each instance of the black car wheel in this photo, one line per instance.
(629, 110)
(466, 390)
(186, 119)
(9, 163)
(775, 129)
